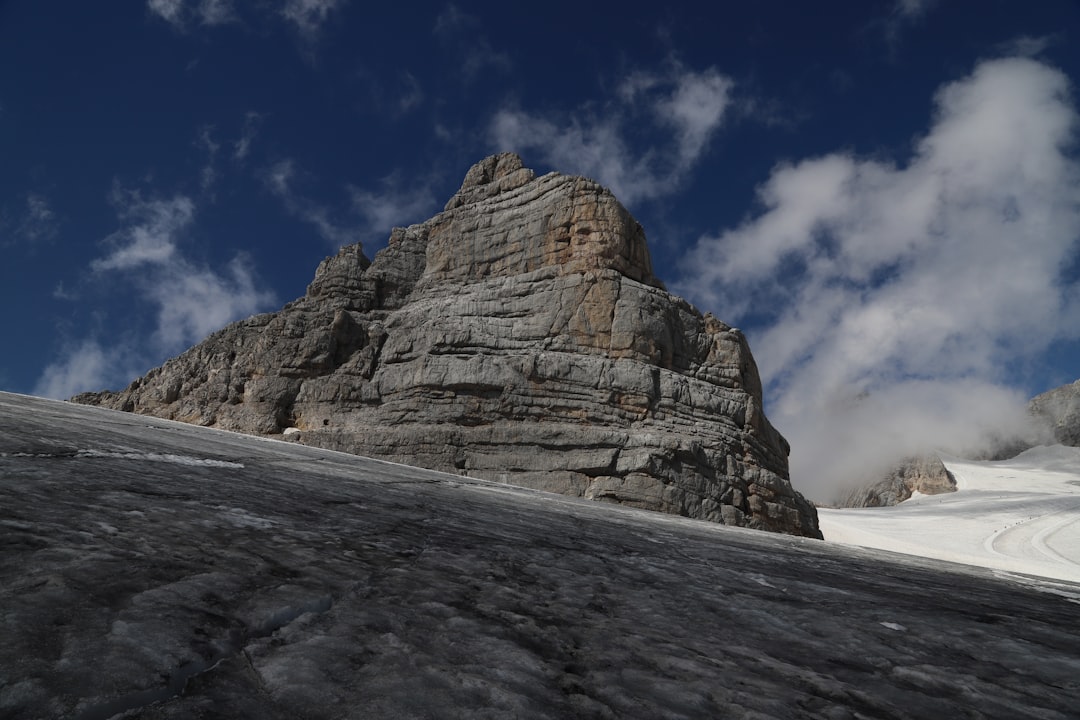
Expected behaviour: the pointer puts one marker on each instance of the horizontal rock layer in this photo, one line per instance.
(519, 336)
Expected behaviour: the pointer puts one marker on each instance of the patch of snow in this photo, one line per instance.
(893, 626)
(1020, 516)
(158, 457)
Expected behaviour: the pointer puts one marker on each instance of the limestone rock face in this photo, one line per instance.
(517, 336)
(922, 473)
(1059, 411)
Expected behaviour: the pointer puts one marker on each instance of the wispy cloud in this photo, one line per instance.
(252, 124)
(192, 299)
(145, 259)
(308, 16)
(462, 33)
(206, 143)
(179, 13)
(393, 204)
(281, 178)
(891, 298)
(33, 223)
(912, 9)
(151, 232)
(902, 15)
(83, 367)
(371, 214)
(686, 107)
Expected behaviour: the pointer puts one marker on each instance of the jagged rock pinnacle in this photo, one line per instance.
(518, 335)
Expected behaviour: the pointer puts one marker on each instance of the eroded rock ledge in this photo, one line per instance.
(519, 335)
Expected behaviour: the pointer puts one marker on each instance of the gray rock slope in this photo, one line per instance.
(519, 335)
(155, 570)
(1059, 411)
(921, 473)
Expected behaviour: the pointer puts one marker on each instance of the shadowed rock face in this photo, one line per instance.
(519, 336)
(154, 570)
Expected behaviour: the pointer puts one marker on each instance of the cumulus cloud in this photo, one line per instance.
(685, 106)
(885, 300)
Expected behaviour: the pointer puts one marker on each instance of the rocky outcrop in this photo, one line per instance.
(1059, 411)
(924, 474)
(519, 336)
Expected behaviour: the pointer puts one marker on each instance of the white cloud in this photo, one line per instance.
(191, 299)
(84, 367)
(194, 301)
(392, 206)
(910, 286)
(309, 15)
(690, 105)
(172, 11)
(151, 234)
(695, 109)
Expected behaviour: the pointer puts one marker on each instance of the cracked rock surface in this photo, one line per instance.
(155, 570)
(519, 335)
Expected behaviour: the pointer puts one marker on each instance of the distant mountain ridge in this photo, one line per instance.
(520, 336)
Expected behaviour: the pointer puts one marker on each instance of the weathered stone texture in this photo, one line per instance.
(519, 335)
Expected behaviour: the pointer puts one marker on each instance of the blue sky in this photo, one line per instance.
(883, 195)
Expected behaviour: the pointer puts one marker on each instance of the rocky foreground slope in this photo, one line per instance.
(159, 571)
(518, 336)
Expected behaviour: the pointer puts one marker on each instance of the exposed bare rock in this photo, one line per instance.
(922, 473)
(518, 336)
(1059, 410)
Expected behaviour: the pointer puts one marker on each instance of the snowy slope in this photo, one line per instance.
(1019, 515)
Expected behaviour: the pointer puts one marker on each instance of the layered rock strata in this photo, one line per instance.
(519, 336)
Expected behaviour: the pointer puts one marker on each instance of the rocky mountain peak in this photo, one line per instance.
(493, 175)
(519, 335)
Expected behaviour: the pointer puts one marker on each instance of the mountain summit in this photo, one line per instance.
(519, 335)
